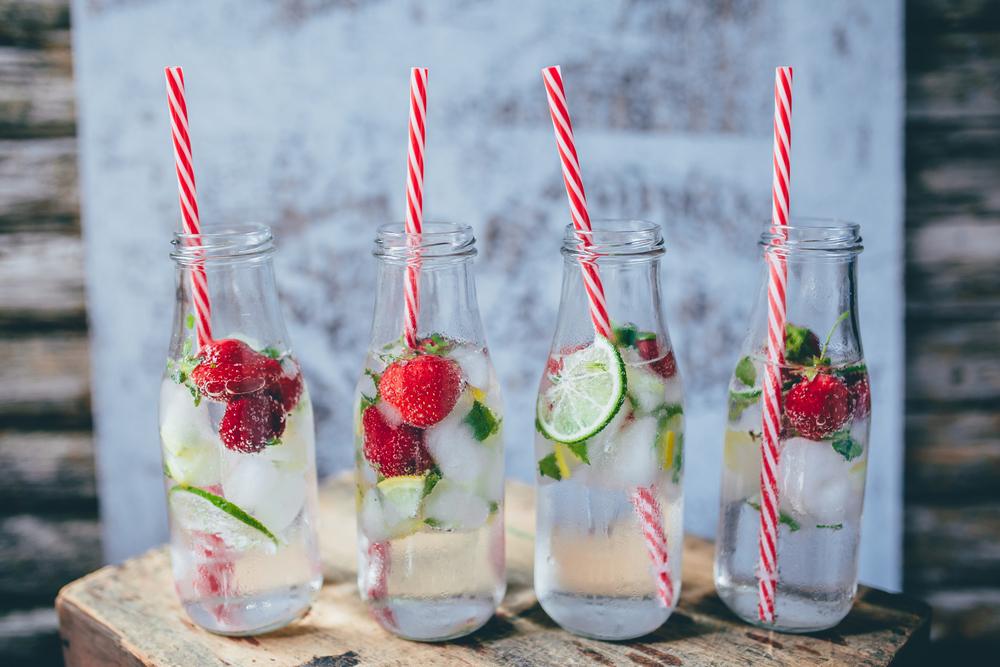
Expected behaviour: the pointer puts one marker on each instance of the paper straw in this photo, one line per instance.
(643, 498)
(767, 568)
(414, 200)
(190, 222)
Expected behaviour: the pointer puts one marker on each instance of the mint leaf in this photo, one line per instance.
(740, 401)
(801, 345)
(624, 335)
(579, 449)
(792, 524)
(431, 480)
(186, 348)
(433, 523)
(678, 462)
(831, 526)
(746, 373)
(547, 467)
(189, 321)
(482, 421)
(494, 506)
(846, 446)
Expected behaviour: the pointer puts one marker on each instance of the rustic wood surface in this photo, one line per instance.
(129, 615)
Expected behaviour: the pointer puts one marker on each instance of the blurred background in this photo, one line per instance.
(298, 121)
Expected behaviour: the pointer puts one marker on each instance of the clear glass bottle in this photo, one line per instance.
(237, 438)
(823, 448)
(429, 447)
(609, 432)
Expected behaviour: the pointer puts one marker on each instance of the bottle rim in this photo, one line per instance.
(623, 237)
(244, 241)
(809, 234)
(437, 240)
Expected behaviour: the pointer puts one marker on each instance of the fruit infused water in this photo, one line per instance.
(609, 447)
(236, 430)
(429, 450)
(823, 443)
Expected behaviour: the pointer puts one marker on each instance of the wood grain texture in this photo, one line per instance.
(42, 275)
(38, 184)
(129, 615)
(36, 92)
(39, 554)
(45, 379)
(44, 471)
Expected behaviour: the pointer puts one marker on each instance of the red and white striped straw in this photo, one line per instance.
(767, 568)
(415, 199)
(190, 222)
(643, 498)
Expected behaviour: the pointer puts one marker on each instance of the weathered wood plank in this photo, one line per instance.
(41, 470)
(130, 615)
(953, 456)
(953, 545)
(30, 23)
(45, 379)
(969, 614)
(955, 365)
(38, 184)
(40, 554)
(42, 275)
(36, 93)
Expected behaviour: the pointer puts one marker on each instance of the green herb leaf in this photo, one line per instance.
(624, 335)
(846, 446)
(431, 480)
(548, 467)
(435, 344)
(792, 524)
(831, 526)
(186, 347)
(745, 372)
(740, 401)
(273, 442)
(579, 450)
(482, 421)
(272, 352)
(189, 321)
(801, 344)
(494, 506)
(433, 523)
(668, 410)
(678, 462)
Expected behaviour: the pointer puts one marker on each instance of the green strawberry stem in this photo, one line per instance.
(822, 353)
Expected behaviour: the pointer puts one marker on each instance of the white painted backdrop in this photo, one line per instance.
(298, 113)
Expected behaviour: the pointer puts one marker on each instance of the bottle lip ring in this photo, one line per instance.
(437, 240)
(812, 234)
(614, 237)
(241, 241)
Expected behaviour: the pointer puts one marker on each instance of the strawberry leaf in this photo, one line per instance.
(547, 467)
(846, 446)
(435, 344)
(272, 352)
(482, 421)
(746, 373)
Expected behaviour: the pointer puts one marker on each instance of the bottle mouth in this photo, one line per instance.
(230, 243)
(614, 238)
(827, 236)
(438, 240)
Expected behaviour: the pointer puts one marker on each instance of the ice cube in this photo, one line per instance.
(450, 506)
(372, 518)
(474, 363)
(295, 452)
(623, 454)
(191, 448)
(453, 446)
(646, 388)
(815, 482)
(272, 495)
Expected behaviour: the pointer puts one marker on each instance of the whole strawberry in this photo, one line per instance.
(663, 364)
(423, 389)
(250, 422)
(861, 393)
(288, 387)
(817, 407)
(229, 367)
(393, 449)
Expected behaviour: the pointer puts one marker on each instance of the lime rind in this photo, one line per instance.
(238, 528)
(586, 395)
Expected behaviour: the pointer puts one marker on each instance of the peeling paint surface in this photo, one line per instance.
(298, 120)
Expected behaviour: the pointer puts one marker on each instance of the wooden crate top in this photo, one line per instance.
(129, 614)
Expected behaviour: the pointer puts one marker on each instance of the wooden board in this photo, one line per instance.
(129, 615)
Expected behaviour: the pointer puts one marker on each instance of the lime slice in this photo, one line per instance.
(585, 394)
(401, 496)
(197, 509)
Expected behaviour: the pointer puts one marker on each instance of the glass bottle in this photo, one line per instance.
(823, 444)
(609, 446)
(429, 446)
(237, 438)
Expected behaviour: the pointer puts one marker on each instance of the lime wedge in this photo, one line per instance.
(197, 509)
(401, 496)
(585, 394)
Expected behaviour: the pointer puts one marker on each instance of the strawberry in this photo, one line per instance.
(250, 422)
(861, 392)
(288, 387)
(817, 407)
(230, 367)
(393, 449)
(663, 364)
(423, 389)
